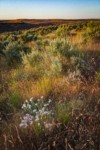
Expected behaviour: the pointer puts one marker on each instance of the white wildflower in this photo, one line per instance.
(45, 112)
(25, 126)
(29, 106)
(25, 118)
(21, 125)
(45, 105)
(31, 122)
(37, 112)
(38, 124)
(48, 125)
(34, 110)
(41, 97)
(31, 99)
(43, 109)
(38, 100)
(40, 111)
(23, 106)
(27, 115)
(37, 118)
(26, 101)
(50, 101)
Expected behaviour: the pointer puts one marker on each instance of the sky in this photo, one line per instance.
(49, 9)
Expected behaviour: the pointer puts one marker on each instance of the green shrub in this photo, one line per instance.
(55, 67)
(5, 108)
(64, 110)
(60, 46)
(46, 30)
(98, 77)
(61, 113)
(92, 33)
(12, 37)
(28, 37)
(35, 58)
(14, 53)
(81, 26)
(38, 128)
(63, 32)
(15, 99)
(14, 57)
(64, 48)
(74, 105)
(3, 45)
(39, 45)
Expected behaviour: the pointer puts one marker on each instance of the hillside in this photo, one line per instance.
(50, 85)
(22, 24)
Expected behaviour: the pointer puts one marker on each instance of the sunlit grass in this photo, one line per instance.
(61, 66)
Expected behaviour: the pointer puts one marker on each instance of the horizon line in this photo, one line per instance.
(51, 19)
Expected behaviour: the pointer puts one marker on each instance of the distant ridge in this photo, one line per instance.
(22, 24)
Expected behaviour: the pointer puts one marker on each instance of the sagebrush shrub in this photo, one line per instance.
(14, 53)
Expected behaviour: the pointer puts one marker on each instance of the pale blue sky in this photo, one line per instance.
(46, 9)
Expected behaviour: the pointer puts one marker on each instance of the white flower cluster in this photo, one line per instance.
(35, 111)
(27, 120)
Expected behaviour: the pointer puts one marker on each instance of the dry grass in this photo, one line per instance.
(49, 77)
(82, 132)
